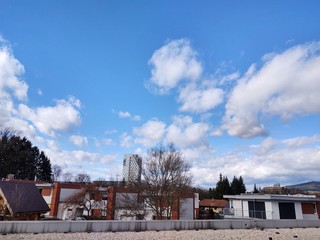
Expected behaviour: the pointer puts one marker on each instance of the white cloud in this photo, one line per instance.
(286, 85)
(185, 133)
(126, 114)
(270, 162)
(10, 71)
(108, 141)
(78, 140)
(150, 133)
(199, 100)
(78, 161)
(48, 120)
(126, 140)
(172, 63)
(2, 38)
(230, 77)
(112, 131)
(301, 141)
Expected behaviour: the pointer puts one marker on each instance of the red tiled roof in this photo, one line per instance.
(217, 203)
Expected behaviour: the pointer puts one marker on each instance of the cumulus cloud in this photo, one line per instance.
(150, 133)
(48, 120)
(172, 63)
(286, 85)
(199, 99)
(185, 133)
(78, 140)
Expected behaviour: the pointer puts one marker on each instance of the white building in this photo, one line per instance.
(132, 166)
(273, 206)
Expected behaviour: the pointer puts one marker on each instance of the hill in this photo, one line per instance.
(313, 186)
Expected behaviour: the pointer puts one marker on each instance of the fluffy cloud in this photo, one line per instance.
(48, 120)
(12, 87)
(286, 85)
(199, 100)
(185, 133)
(10, 72)
(78, 140)
(150, 133)
(172, 63)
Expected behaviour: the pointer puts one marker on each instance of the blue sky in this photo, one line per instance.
(234, 84)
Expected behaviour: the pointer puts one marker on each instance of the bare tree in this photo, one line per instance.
(166, 177)
(131, 204)
(88, 198)
(56, 171)
(82, 177)
(67, 177)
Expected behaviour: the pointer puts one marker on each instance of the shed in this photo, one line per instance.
(21, 200)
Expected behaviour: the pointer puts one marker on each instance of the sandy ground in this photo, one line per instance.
(235, 234)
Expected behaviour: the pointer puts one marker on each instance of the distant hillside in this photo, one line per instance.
(313, 186)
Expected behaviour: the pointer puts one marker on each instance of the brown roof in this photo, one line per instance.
(217, 203)
(23, 197)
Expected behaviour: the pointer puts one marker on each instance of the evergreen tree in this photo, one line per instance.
(44, 172)
(19, 157)
(255, 189)
(222, 188)
(242, 186)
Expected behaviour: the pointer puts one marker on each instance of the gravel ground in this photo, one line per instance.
(235, 234)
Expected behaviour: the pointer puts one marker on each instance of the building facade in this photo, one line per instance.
(273, 206)
(132, 167)
(124, 204)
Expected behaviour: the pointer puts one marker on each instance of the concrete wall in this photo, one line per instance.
(115, 226)
(298, 209)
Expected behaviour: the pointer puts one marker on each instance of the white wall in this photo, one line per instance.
(134, 226)
(269, 210)
(275, 210)
(298, 209)
(186, 209)
(245, 205)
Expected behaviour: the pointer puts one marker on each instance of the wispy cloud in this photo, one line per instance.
(126, 140)
(125, 114)
(78, 140)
